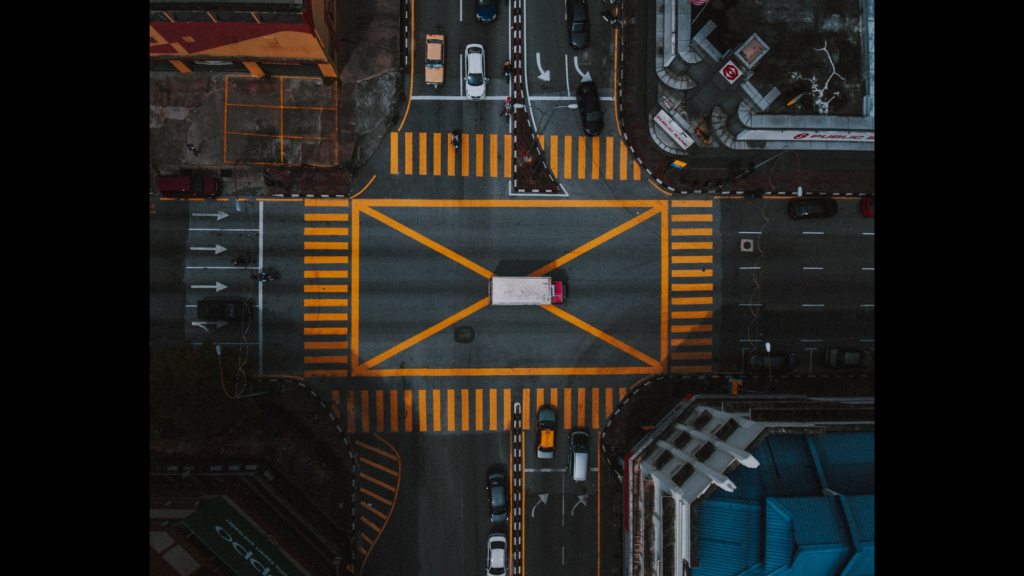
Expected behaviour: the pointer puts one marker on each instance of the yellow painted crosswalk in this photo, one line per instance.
(464, 410)
(691, 286)
(490, 156)
(326, 286)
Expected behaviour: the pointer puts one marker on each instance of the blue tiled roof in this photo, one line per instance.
(781, 521)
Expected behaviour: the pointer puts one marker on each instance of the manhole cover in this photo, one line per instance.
(464, 334)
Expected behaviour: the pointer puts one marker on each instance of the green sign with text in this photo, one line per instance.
(237, 542)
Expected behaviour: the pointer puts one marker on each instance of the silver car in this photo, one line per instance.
(476, 72)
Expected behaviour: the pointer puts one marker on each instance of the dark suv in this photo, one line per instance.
(577, 23)
(223, 310)
(800, 208)
(764, 363)
(497, 503)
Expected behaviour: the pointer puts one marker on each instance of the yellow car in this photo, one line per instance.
(546, 426)
(434, 72)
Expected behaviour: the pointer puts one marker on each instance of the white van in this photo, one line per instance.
(579, 450)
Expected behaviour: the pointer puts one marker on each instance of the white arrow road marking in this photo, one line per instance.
(543, 500)
(217, 248)
(545, 75)
(216, 285)
(217, 324)
(220, 215)
(576, 63)
(583, 500)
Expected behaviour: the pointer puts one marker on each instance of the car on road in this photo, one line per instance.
(487, 10)
(589, 104)
(546, 433)
(800, 208)
(845, 358)
(577, 23)
(763, 362)
(184, 186)
(476, 72)
(497, 554)
(223, 309)
(497, 501)
(579, 452)
(434, 60)
(867, 206)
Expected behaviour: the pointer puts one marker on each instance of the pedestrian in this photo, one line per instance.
(192, 149)
(609, 18)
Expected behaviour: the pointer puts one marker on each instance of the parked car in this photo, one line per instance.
(434, 60)
(546, 433)
(497, 502)
(579, 452)
(800, 208)
(487, 10)
(867, 206)
(590, 108)
(476, 72)
(497, 555)
(763, 362)
(577, 23)
(844, 358)
(187, 186)
(223, 309)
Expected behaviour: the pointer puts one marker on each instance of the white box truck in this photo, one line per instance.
(524, 291)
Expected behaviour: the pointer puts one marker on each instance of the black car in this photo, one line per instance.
(223, 310)
(497, 503)
(576, 21)
(590, 108)
(764, 362)
(800, 208)
(842, 358)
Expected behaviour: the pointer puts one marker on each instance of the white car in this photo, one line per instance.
(497, 553)
(476, 72)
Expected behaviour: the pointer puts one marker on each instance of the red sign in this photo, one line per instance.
(730, 71)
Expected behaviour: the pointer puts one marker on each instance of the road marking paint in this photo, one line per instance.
(609, 404)
(379, 394)
(325, 345)
(423, 153)
(350, 410)
(812, 232)
(691, 355)
(325, 231)
(600, 334)
(692, 287)
(595, 157)
(694, 314)
(335, 202)
(367, 522)
(492, 395)
(479, 155)
(325, 374)
(872, 269)
(609, 157)
(812, 341)
(750, 304)
(691, 328)
(329, 302)
(693, 217)
(581, 167)
(693, 245)
(393, 151)
(364, 410)
(567, 406)
(526, 408)
(374, 510)
(377, 482)
(479, 409)
(692, 203)
(636, 170)
(320, 317)
(868, 233)
(465, 409)
(748, 232)
(692, 301)
(581, 402)
(451, 158)
(540, 140)
(814, 305)
(325, 245)
(750, 267)
(656, 204)
(692, 232)
(598, 241)
(428, 242)
(568, 158)
(595, 408)
(493, 154)
(813, 268)
(506, 408)
(394, 410)
(324, 288)
(436, 405)
(867, 305)
(465, 155)
(451, 409)
(408, 410)
(691, 273)
(623, 161)
(325, 273)
(375, 496)
(325, 260)
(692, 342)
(436, 153)
(507, 157)
(409, 153)
(326, 217)
(324, 331)
(421, 397)
(376, 450)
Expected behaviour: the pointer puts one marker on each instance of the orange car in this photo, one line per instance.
(434, 72)
(546, 425)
